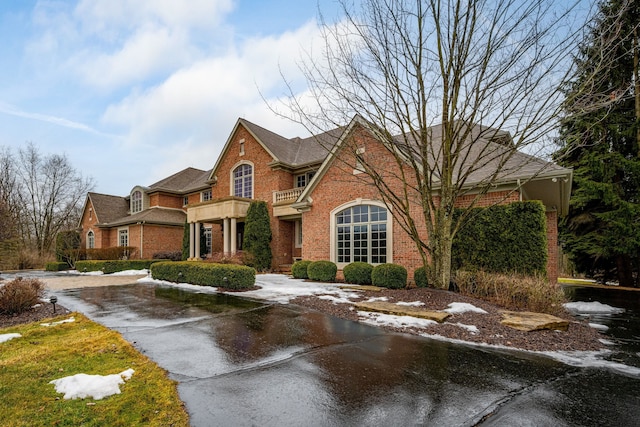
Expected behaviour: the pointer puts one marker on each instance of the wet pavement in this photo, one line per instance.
(245, 362)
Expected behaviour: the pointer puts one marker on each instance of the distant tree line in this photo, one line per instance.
(40, 195)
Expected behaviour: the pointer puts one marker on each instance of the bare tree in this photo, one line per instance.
(8, 191)
(421, 76)
(46, 196)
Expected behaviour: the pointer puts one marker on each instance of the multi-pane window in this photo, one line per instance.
(361, 234)
(205, 196)
(123, 237)
(303, 180)
(91, 240)
(185, 200)
(243, 181)
(207, 237)
(136, 202)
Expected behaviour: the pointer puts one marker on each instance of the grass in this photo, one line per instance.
(42, 354)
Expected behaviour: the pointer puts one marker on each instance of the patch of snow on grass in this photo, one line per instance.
(606, 342)
(379, 319)
(592, 307)
(98, 387)
(282, 289)
(60, 322)
(463, 307)
(7, 337)
(130, 272)
(410, 304)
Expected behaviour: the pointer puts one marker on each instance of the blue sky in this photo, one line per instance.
(134, 91)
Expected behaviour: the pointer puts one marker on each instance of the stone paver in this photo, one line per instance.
(528, 321)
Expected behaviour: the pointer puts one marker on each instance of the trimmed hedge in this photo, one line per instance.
(299, 269)
(392, 276)
(322, 271)
(503, 238)
(56, 266)
(420, 277)
(358, 273)
(205, 274)
(113, 266)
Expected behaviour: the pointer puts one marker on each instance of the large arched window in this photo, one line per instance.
(91, 240)
(136, 201)
(243, 181)
(361, 234)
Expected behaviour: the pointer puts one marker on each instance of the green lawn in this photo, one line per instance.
(42, 354)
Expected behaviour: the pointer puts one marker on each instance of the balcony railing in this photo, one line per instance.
(287, 196)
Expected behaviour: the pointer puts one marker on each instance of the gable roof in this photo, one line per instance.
(154, 215)
(481, 141)
(292, 152)
(108, 208)
(187, 180)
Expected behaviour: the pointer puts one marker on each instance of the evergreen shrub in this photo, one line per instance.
(392, 276)
(358, 273)
(420, 277)
(257, 236)
(322, 271)
(168, 255)
(503, 239)
(299, 269)
(229, 276)
(113, 266)
(56, 266)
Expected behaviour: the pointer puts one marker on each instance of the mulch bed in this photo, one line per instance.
(579, 337)
(40, 312)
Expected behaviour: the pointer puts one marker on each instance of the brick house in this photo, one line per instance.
(322, 206)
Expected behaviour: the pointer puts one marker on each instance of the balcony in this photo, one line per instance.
(282, 201)
(214, 210)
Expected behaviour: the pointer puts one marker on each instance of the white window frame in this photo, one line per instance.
(232, 181)
(123, 232)
(298, 233)
(333, 256)
(308, 176)
(136, 204)
(185, 200)
(208, 239)
(206, 195)
(91, 239)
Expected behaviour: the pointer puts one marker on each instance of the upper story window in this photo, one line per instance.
(243, 181)
(185, 200)
(136, 201)
(302, 180)
(205, 196)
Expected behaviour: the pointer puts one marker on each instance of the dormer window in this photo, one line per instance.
(136, 201)
(205, 196)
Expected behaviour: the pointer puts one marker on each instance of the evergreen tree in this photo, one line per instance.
(600, 141)
(185, 241)
(257, 236)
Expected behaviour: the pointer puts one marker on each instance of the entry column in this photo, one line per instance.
(197, 242)
(234, 236)
(226, 238)
(191, 237)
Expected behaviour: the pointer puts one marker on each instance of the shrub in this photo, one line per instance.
(115, 252)
(391, 276)
(168, 255)
(229, 276)
(20, 295)
(113, 266)
(358, 273)
(56, 266)
(322, 271)
(512, 291)
(257, 236)
(220, 258)
(185, 241)
(299, 269)
(420, 277)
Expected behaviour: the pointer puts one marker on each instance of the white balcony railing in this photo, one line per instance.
(287, 196)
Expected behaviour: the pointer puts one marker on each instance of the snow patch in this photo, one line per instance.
(98, 387)
(598, 326)
(130, 272)
(463, 307)
(375, 299)
(592, 307)
(410, 304)
(379, 319)
(7, 337)
(335, 300)
(60, 322)
(471, 328)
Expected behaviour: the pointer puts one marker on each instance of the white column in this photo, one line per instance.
(234, 236)
(191, 247)
(225, 236)
(197, 235)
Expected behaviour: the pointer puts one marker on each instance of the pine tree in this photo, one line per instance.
(600, 141)
(185, 241)
(257, 236)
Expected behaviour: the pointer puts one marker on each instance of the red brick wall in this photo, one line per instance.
(156, 238)
(165, 200)
(340, 186)
(552, 244)
(265, 182)
(88, 222)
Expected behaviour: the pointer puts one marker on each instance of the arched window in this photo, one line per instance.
(136, 201)
(361, 234)
(243, 181)
(91, 240)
